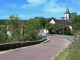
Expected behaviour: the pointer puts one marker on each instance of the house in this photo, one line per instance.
(11, 29)
(8, 31)
(66, 21)
(43, 32)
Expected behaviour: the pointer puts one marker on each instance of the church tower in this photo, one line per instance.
(67, 14)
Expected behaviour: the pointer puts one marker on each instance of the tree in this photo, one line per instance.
(75, 23)
(15, 24)
(42, 22)
(58, 29)
(3, 37)
(73, 14)
(7, 22)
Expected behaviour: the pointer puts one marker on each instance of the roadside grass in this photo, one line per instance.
(66, 54)
(63, 54)
(75, 53)
(63, 36)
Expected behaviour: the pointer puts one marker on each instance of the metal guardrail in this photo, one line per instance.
(74, 42)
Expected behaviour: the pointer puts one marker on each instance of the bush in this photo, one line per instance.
(3, 29)
(33, 35)
(58, 29)
(3, 37)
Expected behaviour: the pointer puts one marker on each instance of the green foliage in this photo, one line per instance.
(7, 22)
(15, 25)
(75, 24)
(14, 21)
(29, 28)
(75, 52)
(62, 55)
(3, 37)
(2, 21)
(3, 29)
(37, 23)
(32, 24)
(32, 35)
(73, 14)
(58, 29)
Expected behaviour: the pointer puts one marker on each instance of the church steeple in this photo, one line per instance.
(67, 14)
(67, 11)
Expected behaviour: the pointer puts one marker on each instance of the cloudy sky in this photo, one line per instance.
(27, 9)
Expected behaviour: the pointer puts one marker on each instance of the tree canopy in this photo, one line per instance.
(73, 14)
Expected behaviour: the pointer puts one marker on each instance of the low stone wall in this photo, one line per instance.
(74, 42)
(16, 45)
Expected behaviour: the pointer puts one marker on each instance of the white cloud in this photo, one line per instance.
(77, 2)
(37, 1)
(29, 5)
(1, 11)
(13, 6)
(24, 6)
(53, 7)
(55, 10)
(34, 3)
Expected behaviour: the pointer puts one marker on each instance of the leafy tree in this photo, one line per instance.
(58, 29)
(3, 37)
(42, 22)
(32, 35)
(73, 14)
(15, 24)
(7, 22)
(2, 21)
(75, 23)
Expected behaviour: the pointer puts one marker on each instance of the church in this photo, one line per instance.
(66, 19)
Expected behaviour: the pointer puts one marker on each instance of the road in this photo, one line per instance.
(43, 51)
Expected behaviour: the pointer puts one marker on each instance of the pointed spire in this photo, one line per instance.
(67, 5)
(67, 11)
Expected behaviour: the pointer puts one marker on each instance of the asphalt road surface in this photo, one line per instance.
(43, 51)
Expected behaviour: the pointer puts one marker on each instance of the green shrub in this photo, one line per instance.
(58, 29)
(3, 37)
(32, 35)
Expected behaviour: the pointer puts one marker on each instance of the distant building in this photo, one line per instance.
(8, 31)
(11, 29)
(67, 14)
(43, 32)
(66, 21)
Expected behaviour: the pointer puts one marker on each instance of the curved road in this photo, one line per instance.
(43, 51)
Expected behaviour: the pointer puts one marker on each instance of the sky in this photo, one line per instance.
(27, 9)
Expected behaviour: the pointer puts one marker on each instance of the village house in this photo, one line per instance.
(66, 21)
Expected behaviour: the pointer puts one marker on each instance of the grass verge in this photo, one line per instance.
(62, 55)
(75, 53)
(67, 55)
(63, 36)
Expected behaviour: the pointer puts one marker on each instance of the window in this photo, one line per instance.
(66, 16)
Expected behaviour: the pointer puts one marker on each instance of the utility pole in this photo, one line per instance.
(63, 24)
